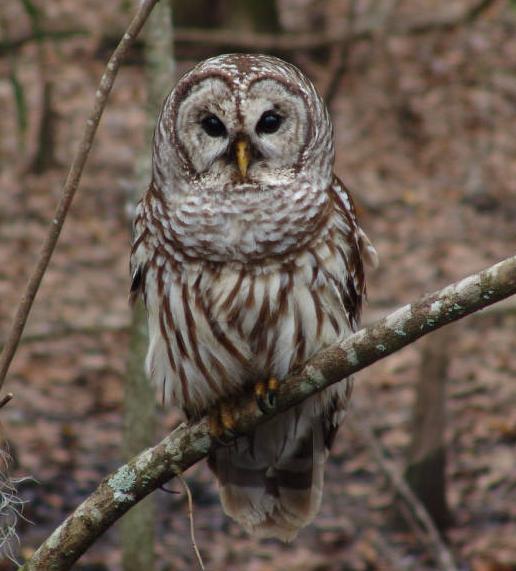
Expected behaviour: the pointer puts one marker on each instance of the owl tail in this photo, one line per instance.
(271, 482)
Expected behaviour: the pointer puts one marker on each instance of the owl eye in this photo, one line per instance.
(269, 122)
(213, 126)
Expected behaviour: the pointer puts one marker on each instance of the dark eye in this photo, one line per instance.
(213, 126)
(269, 122)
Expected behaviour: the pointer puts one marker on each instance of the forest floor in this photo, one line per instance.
(425, 137)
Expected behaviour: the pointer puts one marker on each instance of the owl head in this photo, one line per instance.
(242, 122)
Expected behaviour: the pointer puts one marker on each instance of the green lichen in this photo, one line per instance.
(121, 483)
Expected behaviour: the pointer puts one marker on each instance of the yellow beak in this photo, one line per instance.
(243, 156)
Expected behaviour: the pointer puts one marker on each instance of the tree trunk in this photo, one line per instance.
(426, 465)
(256, 15)
(139, 421)
(139, 426)
(42, 155)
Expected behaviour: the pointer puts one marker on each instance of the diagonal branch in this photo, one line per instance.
(188, 444)
(71, 184)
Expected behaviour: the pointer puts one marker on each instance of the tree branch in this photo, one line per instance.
(6, 399)
(188, 444)
(71, 184)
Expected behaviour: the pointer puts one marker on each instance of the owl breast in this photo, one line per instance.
(217, 328)
(243, 226)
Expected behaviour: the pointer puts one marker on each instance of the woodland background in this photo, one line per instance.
(423, 96)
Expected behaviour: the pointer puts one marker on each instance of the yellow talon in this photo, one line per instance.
(216, 429)
(260, 390)
(265, 394)
(227, 417)
(222, 419)
(273, 384)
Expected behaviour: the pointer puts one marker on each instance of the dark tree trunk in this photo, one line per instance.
(256, 15)
(426, 465)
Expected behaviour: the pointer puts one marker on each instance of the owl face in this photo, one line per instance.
(243, 121)
(252, 134)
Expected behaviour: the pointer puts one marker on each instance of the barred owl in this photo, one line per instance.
(249, 259)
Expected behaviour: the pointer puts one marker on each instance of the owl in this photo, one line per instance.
(249, 259)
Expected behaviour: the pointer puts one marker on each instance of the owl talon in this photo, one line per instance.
(266, 394)
(222, 422)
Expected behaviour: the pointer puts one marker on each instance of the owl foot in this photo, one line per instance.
(265, 393)
(222, 420)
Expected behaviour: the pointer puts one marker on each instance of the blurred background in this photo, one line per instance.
(423, 98)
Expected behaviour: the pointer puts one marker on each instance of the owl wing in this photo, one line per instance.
(140, 258)
(344, 201)
(361, 251)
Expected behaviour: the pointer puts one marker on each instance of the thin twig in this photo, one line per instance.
(71, 185)
(7, 398)
(188, 444)
(442, 554)
(190, 516)
(168, 490)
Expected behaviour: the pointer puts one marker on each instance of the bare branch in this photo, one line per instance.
(71, 184)
(5, 399)
(186, 445)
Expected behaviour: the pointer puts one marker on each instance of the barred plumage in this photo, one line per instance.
(246, 275)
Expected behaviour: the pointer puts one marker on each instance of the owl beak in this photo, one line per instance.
(243, 155)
